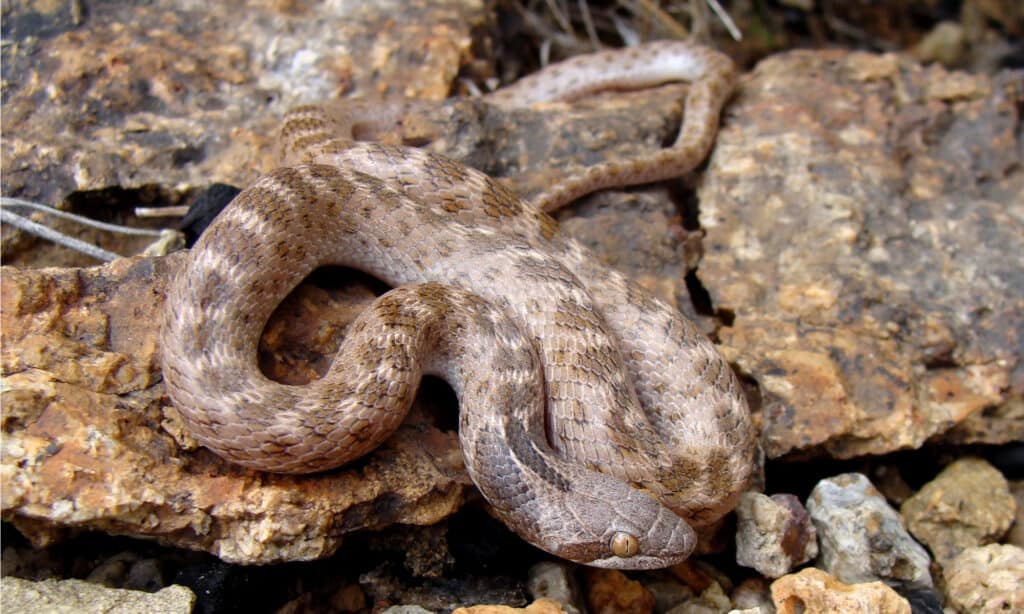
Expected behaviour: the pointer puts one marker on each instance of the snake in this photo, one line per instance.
(598, 423)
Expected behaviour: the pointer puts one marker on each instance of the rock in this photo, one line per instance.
(752, 594)
(75, 596)
(889, 481)
(986, 579)
(945, 43)
(861, 537)
(712, 600)
(406, 609)
(90, 442)
(31, 563)
(610, 592)
(968, 504)
(127, 570)
(812, 591)
(668, 593)
(703, 589)
(160, 94)
(774, 534)
(1016, 535)
(699, 575)
(541, 606)
(922, 599)
(829, 205)
(424, 551)
(384, 586)
(555, 581)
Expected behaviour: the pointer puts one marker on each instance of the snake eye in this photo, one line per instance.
(624, 545)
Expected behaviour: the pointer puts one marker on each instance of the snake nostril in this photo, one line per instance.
(624, 545)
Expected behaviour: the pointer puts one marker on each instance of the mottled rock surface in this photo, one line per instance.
(76, 596)
(987, 579)
(773, 534)
(968, 504)
(859, 210)
(162, 94)
(861, 538)
(90, 441)
(812, 591)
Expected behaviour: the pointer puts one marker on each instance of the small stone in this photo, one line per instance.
(668, 593)
(541, 606)
(861, 537)
(128, 570)
(1016, 535)
(945, 43)
(555, 581)
(145, 575)
(712, 600)
(76, 596)
(112, 571)
(699, 575)
(753, 593)
(889, 481)
(774, 535)
(611, 592)
(987, 579)
(408, 609)
(812, 591)
(922, 599)
(968, 504)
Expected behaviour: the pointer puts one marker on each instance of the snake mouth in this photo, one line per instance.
(639, 562)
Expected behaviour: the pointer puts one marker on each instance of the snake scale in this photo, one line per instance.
(598, 423)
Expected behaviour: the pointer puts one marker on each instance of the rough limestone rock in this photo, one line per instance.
(91, 442)
(968, 504)
(859, 211)
(812, 591)
(773, 534)
(987, 579)
(163, 94)
(861, 538)
(76, 596)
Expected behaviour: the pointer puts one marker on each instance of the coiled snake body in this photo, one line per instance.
(596, 420)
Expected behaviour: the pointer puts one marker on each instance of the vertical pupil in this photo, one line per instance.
(624, 545)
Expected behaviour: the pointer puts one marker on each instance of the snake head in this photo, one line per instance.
(624, 528)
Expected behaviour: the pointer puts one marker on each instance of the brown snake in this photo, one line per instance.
(597, 421)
